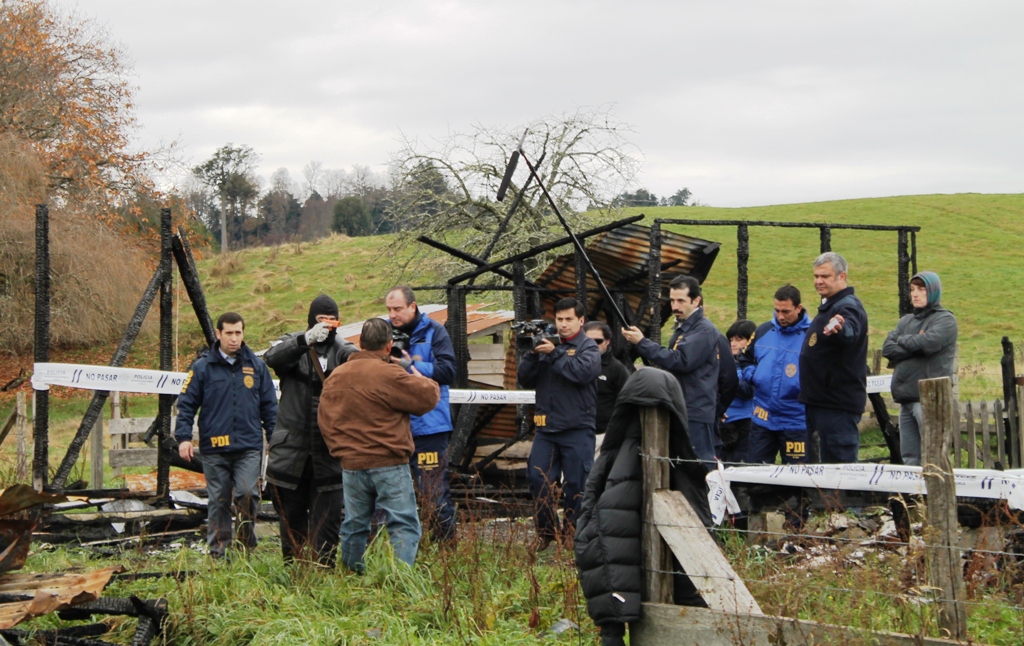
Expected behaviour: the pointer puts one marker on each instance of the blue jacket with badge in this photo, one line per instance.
(771, 364)
(434, 356)
(236, 402)
(565, 381)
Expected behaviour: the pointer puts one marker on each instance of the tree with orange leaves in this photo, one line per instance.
(64, 88)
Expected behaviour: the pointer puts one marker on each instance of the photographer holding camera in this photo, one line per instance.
(564, 377)
(306, 480)
(431, 353)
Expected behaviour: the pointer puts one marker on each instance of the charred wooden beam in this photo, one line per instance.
(790, 225)
(903, 278)
(190, 279)
(654, 284)
(163, 464)
(41, 350)
(742, 257)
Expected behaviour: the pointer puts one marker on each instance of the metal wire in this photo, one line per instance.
(901, 597)
(825, 539)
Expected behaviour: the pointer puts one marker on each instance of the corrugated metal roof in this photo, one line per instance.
(621, 256)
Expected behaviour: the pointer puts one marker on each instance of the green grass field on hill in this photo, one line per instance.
(971, 240)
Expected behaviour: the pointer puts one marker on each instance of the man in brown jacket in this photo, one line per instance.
(364, 417)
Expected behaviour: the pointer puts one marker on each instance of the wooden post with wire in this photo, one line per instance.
(941, 551)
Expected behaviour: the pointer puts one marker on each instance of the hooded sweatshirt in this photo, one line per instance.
(923, 345)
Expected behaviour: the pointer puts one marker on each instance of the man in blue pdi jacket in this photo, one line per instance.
(834, 366)
(564, 377)
(692, 356)
(431, 352)
(770, 365)
(234, 393)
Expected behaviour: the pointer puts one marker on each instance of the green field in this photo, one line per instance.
(971, 240)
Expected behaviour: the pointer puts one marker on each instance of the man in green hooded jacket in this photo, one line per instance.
(922, 346)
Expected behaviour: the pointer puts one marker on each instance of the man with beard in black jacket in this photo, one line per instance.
(307, 481)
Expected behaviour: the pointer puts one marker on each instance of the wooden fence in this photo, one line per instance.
(733, 616)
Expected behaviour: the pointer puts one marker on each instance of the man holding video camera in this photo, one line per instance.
(564, 377)
(432, 354)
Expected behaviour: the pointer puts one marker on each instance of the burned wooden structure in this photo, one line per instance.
(621, 251)
(636, 263)
(174, 249)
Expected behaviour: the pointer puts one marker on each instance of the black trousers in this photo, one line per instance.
(309, 520)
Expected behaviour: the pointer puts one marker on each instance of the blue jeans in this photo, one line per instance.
(833, 436)
(766, 444)
(429, 464)
(390, 489)
(911, 422)
(231, 478)
(555, 455)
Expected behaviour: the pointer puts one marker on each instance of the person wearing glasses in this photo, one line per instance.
(613, 373)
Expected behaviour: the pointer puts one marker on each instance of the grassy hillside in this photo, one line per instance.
(972, 241)
(272, 286)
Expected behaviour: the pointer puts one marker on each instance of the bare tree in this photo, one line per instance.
(312, 173)
(448, 191)
(335, 182)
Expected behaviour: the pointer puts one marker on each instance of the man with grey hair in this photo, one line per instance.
(833, 366)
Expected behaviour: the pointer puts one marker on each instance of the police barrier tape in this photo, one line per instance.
(159, 382)
(885, 478)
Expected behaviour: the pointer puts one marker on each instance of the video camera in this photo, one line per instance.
(530, 334)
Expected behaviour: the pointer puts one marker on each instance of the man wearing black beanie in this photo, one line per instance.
(307, 480)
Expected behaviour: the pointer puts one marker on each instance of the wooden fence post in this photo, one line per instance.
(1020, 424)
(116, 441)
(657, 557)
(21, 429)
(972, 437)
(941, 551)
(96, 459)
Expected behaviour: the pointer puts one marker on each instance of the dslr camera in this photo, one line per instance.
(530, 334)
(399, 343)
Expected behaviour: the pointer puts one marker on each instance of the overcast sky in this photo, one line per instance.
(744, 102)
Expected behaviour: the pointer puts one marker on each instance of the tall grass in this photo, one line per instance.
(489, 589)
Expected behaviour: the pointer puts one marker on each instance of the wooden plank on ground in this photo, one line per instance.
(700, 556)
(668, 625)
(133, 457)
